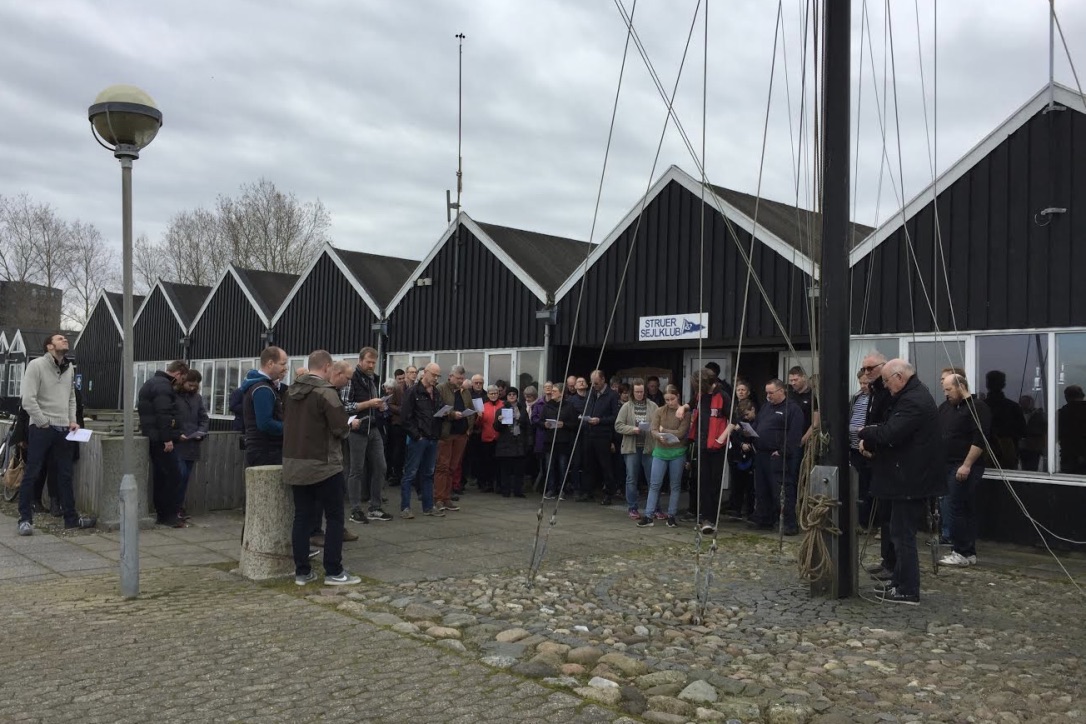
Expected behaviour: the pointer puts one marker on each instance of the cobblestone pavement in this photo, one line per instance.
(447, 628)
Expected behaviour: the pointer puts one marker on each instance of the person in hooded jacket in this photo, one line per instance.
(314, 426)
(193, 422)
(514, 427)
(157, 405)
(709, 428)
(262, 409)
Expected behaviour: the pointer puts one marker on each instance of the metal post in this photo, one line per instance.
(1051, 54)
(546, 351)
(833, 283)
(129, 495)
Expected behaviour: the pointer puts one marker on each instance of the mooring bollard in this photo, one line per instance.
(269, 517)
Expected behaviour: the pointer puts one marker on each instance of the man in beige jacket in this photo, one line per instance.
(314, 426)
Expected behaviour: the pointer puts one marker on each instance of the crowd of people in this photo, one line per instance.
(338, 433)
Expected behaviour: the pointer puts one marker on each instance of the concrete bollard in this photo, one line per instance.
(269, 518)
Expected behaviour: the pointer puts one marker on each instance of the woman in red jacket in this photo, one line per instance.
(709, 428)
(488, 440)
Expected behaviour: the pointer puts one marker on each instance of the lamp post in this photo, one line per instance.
(124, 120)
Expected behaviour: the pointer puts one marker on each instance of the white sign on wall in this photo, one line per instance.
(673, 326)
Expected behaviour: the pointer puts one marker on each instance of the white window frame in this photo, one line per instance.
(15, 378)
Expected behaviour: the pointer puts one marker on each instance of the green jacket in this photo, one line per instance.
(314, 425)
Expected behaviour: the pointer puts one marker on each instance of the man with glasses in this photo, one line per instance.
(877, 406)
(780, 426)
(454, 437)
(908, 464)
(420, 402)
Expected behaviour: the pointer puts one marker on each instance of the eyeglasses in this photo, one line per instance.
(892, 376)
(871, 368)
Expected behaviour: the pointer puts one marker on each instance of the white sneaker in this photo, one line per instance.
(343, 579)
(957, 559)
(26, 528)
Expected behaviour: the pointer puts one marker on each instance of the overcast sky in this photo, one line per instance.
(356, 103)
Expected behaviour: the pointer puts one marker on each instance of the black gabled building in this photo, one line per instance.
(676, 272)
(99, 351)
(981, 270)
(474, 300)
(338, 300)
(161, 326)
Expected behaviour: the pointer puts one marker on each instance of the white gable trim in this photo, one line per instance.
(333, 254)
(228, 272)
(109, 308)
(1063, 96)
(17, 343)
(3, 342)
(519, 272)
(694, 186)
(169, 302)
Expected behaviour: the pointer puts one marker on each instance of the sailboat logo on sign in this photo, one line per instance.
(673, 326)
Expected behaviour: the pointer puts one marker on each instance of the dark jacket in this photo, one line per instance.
(513, 440)
(460, 399)
(157, 405)
(780, 428)
(191, 420)
(603, 405)
(958, 424)
(315, 425)
(910, 462)
(363, 388)
(417, 413)
(561, 437)
(262, 410)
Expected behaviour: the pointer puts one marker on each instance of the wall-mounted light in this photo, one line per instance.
(549, 315)
(424, 282)
(380, 327)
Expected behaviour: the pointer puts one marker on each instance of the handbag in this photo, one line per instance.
(13, 474)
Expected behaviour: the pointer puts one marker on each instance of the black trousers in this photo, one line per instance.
(710, 472)
(310, 502)
(166, 481)
(598, 469)
(883, 508)
(510, 475)
(906, 518)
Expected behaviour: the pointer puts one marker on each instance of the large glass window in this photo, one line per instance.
(207, 372)
(860, 347)
(474, 362)
(233, 379)
(529, 368)
(1071, 407)
(931, 358)
(446, 361)
(15, 379)
(420, 360)
(397, 362)
(1012, 376)
(219, 395)
(499, 367)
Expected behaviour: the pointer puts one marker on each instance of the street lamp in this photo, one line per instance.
(124, 120)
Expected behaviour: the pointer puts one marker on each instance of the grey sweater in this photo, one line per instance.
(48, 394)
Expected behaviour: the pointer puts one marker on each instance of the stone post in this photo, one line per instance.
(269, 517)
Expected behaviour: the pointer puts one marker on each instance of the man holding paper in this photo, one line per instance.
(48, 396)
(420, 402)
(454, 436)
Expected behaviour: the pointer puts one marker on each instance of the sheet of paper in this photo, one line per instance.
(550, 424)
(747, 429)
(667, 437)
(445, 410)
(80, 435)
(477, 402)
(351, 420)
(643, 426)
(467, 413)
(507, 416)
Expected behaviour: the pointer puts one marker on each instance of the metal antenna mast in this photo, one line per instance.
(459, 136)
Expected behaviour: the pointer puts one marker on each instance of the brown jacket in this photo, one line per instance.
(447, 392)
(313, 426)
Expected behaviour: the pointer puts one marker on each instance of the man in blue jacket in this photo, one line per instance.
(909, 470)
(777, 452)
(262, 409)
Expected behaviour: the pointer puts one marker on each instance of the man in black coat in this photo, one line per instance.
(600, 412)
(157, 405)
(908, 467)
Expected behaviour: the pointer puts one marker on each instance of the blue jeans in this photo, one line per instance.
(48, 449)
(421, 461)
(674, 469)
(635, 462)
(559, 461)
(185, 468)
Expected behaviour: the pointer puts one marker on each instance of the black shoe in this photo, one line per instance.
(894, 595)
(454, 498)
(881, 575)
(607, 500)
(358, 516)
(173, 522)
(55, 511)
(707, 528)
(645, 522)
(84, 521)
(38, 508)
(183, 514)
(688, 517)
(758, 525)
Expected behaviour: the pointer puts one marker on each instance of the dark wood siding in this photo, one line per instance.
(1007, 267)
(665, 277)
(491, 310)
(157, 331)
(98, 359)
(230, 327)
(326, 313)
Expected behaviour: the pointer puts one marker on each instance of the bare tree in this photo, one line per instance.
(19, 260)
(93, 267)
(194, 248)
(266, 228)
(52, 244)
(149, 263)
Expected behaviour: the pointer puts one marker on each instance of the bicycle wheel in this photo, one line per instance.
(10, 494)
